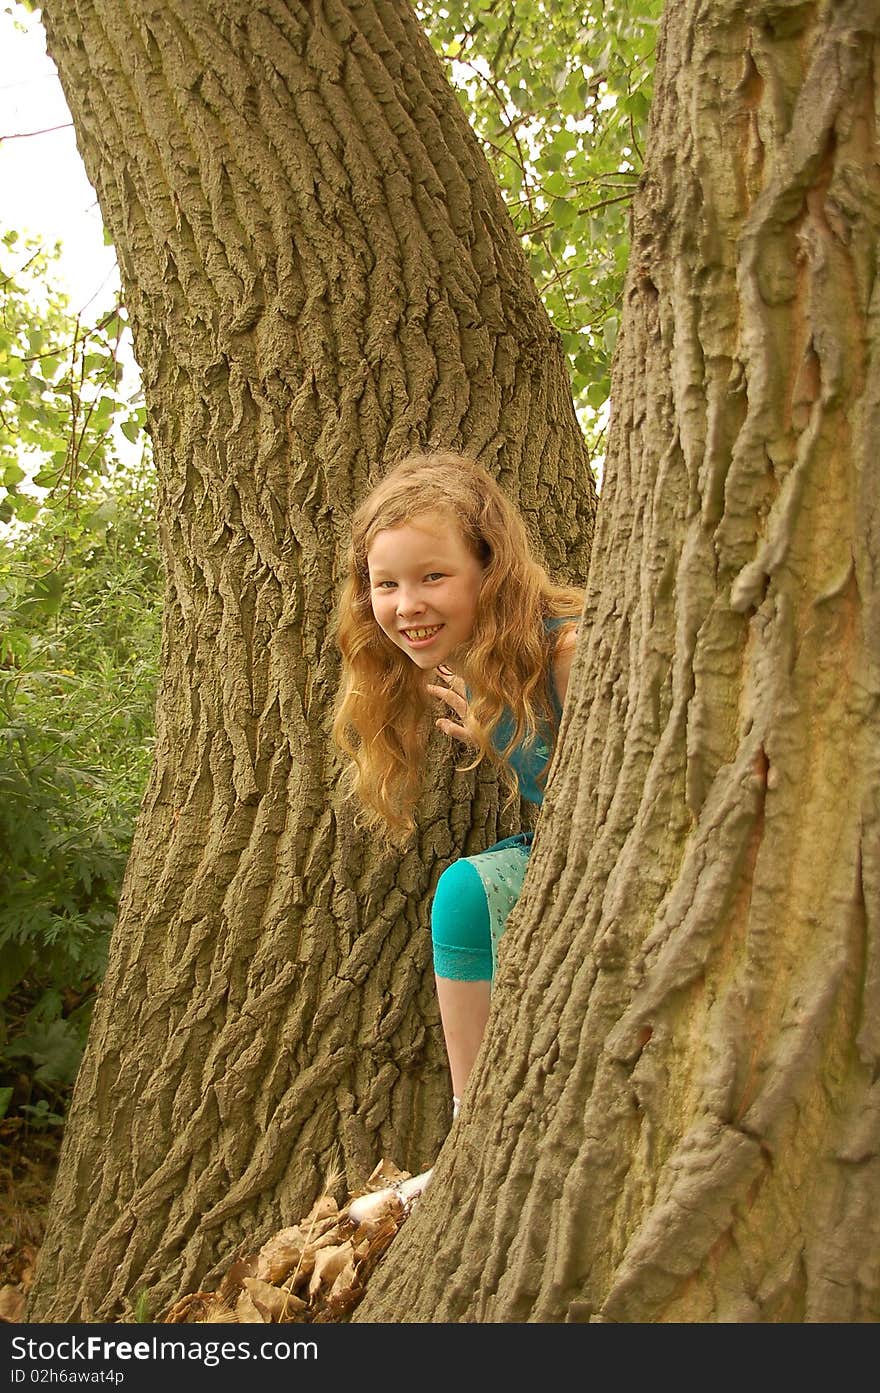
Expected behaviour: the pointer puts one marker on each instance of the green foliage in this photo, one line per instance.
(41, 1115)
(61, 390)
(79, 585)
(559, 98)
(79, 620)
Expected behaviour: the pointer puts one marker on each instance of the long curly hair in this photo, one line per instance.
(383, 711)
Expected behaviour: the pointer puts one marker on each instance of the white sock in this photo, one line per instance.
(412, 1188)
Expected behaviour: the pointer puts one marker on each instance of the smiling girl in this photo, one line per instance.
(444, 602)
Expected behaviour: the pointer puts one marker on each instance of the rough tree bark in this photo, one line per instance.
(676, 1113)
(320, 275)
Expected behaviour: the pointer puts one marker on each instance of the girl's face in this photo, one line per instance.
(424, 586)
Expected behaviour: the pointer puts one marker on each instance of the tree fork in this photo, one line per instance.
(675, 1113)
(320, 276)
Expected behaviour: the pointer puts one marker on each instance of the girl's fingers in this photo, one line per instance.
(452, 698)
(456, 731)
(456, 683)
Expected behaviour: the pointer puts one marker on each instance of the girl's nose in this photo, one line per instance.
(409, 602)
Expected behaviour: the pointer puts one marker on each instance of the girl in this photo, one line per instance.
(444, 602)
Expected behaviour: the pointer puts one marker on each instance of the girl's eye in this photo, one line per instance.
(435, 575)
(384, 583)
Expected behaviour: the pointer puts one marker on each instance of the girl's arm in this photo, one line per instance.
(563, 655)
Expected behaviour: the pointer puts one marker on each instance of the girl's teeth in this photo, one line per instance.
(419, 634)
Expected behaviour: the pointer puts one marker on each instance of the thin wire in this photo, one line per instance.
(25, 135)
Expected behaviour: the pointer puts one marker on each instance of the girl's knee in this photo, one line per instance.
(460, 925)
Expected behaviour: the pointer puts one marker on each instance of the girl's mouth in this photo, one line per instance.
(419, 638)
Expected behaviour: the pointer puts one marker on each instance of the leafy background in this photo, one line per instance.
(79, 614)
(559, 97)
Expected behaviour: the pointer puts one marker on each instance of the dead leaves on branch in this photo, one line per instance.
(316, 1271)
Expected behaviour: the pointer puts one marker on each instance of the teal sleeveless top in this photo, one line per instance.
(528, 761)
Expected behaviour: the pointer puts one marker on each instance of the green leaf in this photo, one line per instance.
(47, 477)
(26, 509)
(563, 212)
(104, 410)
(46, 592)
(609, 332)
(638, 105)
(41, 1115)
(557, 185)
(131, 429)
(101, 516)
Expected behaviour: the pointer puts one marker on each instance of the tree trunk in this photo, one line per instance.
(676, 1113)
(321, 276)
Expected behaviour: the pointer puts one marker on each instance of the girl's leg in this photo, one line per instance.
(474, 896)
(462, 964)
(464, 1011)
(471, 903)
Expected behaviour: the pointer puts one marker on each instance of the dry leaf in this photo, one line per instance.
(343, 1282)
(247, 1312)
(386, 1173)
(293, 1307)
(235, 1275)
(11, 1305)
(325, 1207)
(329, 1262)
(189, 1309)
(268, 1300)
(279, 1255)
(327, 1239)
(319, 1227)
(369, 1238)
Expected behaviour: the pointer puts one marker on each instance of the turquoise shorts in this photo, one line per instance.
(474, 896)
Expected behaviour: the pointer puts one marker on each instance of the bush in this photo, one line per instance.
(79, 638)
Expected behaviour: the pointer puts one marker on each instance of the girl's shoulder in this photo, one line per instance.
(562, 630)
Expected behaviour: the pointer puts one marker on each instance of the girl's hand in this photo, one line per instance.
(454, 696)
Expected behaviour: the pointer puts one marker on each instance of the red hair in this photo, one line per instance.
(383, 711)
